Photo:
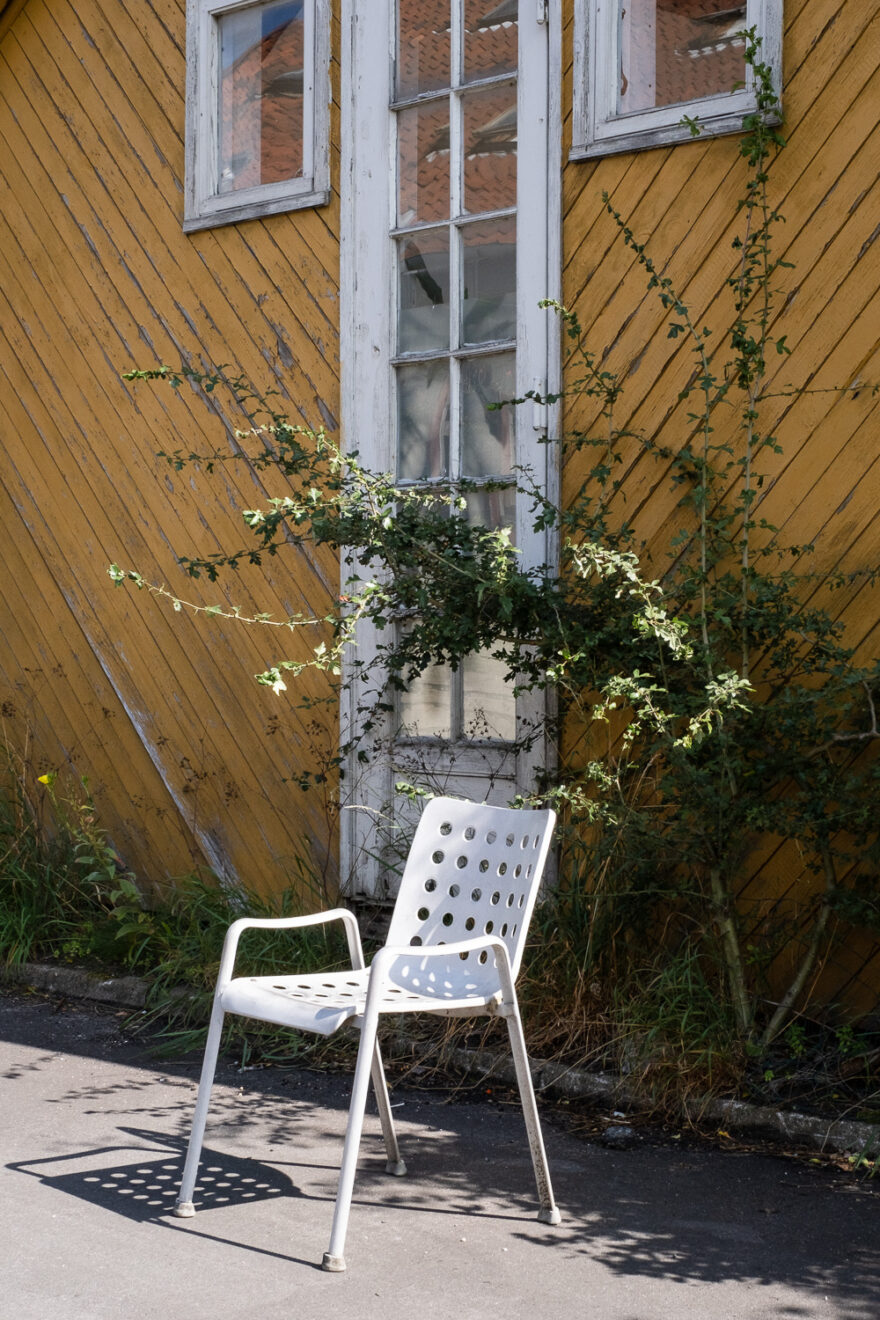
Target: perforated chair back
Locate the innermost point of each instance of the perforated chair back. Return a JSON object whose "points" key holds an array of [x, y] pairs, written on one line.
{"points": [[472, 870]]}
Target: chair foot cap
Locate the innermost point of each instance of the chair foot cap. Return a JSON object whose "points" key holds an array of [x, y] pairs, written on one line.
{"points": [[184, 1210], [333, 1264], [396, 1167], [551, 1216]]}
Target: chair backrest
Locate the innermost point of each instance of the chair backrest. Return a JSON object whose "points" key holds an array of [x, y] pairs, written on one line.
{"points": [[472, 870]]}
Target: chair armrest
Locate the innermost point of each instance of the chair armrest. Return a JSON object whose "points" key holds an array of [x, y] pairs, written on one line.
{"points": [[390, 952], [236, 930]]}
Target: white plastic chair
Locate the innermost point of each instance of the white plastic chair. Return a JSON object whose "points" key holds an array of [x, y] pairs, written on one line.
{"points": [[454, 948]]}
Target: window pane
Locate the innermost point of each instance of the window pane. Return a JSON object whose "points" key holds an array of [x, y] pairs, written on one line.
{"points": [[423, 282], [490, 149], [423, 169], [425, 706], [261, 95], [492, 508], [490, 38], [423, 49], [488, 706], [423, 420], [673, 52], [489, 278], [487, 437]]}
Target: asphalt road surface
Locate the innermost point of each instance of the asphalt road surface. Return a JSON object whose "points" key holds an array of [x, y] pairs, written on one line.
{"points": [[93, 1131]]}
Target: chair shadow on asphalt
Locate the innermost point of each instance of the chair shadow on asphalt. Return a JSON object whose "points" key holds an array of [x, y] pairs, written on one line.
{"points": [[141, 1181]]}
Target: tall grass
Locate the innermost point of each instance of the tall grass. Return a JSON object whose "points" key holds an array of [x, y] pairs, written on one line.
{"points": [[65, 896], [595, 991], [48, 908]]}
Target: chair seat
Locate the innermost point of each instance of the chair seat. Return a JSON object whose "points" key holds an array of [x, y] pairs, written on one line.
{"points": [[324, 1001], [307, 1003]]}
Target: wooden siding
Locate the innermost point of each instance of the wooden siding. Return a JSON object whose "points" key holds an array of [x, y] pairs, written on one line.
{"points": [[188, 759], [186, 756], [824, 485]]}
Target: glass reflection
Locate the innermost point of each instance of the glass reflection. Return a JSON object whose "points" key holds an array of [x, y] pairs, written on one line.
{"points": [[424, 708], [492, 508], [489, 281], [672, 53], [423, 49], [423, 420], [423, 163], [488, 705], [490, 38], [487, 437], [490, 149], [260, 96], [423, 297]]}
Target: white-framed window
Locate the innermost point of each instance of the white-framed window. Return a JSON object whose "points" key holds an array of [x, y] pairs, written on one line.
{"points": [[642, 66], [257, 108]]}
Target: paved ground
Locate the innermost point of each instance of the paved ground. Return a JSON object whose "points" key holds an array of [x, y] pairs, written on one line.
{"points": [[92, 1139]]}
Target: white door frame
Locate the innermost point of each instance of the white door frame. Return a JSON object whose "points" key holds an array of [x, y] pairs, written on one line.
{"points": [[368, 187]]}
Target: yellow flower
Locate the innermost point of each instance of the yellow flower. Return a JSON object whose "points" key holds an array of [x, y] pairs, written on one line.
{"points": [[48, 779]]}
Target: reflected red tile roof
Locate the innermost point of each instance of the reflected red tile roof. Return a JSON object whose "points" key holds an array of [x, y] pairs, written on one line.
{"points": [[261, 101], [697, 53]]}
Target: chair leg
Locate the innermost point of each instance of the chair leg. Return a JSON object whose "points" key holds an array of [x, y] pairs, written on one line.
{"points": [[184, 1209], [394, 1162], [334, 1260], [548, 1213]]}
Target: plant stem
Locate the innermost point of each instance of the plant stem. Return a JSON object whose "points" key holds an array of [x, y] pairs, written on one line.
{"points": [[731, 952], [786, 1004]]}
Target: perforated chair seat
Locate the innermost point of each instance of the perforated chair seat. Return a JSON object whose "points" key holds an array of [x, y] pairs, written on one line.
{"points": [[454, 948], [321, 1004], [324, 1002]]}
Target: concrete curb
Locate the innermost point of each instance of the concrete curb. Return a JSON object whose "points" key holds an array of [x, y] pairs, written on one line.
{"points": [[76, 983], [841, 1136]]}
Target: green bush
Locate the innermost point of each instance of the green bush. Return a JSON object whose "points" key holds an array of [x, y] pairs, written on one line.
{"points": [[718, 706]]}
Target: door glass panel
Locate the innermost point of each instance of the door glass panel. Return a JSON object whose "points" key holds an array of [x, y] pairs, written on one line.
{"points": [[487, 437], [490, 149], [489, 280], [424, 708], [423, 46], [492, 508], [488, 709], [490, 38], [423, 420], [423, 163], [260, 95], [423, 291]]}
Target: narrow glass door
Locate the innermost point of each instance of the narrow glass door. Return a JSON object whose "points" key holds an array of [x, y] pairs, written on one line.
{"points": [[454, 234], [445, 257]]}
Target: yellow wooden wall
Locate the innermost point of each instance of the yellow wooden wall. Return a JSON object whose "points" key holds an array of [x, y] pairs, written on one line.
{"points": [[825, 486], [187, 758], [185, 755]]}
